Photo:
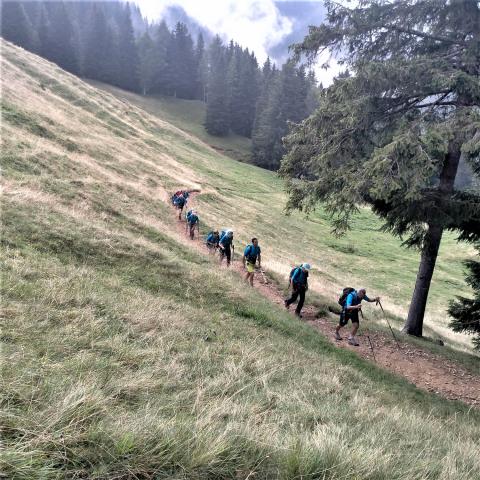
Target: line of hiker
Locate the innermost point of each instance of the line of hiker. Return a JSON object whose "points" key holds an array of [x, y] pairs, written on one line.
{"points": [[222, 241]]}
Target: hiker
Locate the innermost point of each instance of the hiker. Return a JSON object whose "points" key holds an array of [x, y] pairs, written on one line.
{"points": [[187, 219], [250, 255], [225, 246], [299, 282], [192, 222], [212, 240], [351, 301], [179, 203]]}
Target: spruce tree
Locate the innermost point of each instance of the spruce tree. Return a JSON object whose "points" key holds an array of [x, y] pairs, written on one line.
{"points": [[146, 51], [182, 63], [217, 117], [163, 45], [466, 311], [201, 68], [100, 63], [127, 57], [16, 27], [61, 38], [391, 134]]}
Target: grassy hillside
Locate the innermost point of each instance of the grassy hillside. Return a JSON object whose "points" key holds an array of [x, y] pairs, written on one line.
{"points": [[189, 115], [128, 355], [251, 200]]}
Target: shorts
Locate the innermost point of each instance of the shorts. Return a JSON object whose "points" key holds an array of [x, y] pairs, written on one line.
{"points": [[250, 267], [211, 245], [347, 315]]}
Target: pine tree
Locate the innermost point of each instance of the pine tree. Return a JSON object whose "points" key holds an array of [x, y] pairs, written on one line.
{"points": [[466, 311], [16, 27], [163, 45], [182, 63], [391, 134], [100, 63], [127, 58], [43, 30], [217, 118], [146, 50], [201, 69], [61, 38]]}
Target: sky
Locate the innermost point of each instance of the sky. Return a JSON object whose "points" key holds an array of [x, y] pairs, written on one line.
{"points": [[256, 24]]}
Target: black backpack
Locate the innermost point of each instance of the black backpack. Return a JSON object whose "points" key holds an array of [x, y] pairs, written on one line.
{"points": [[345, 293]]}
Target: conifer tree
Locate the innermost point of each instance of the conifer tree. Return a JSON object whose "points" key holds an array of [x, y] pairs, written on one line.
{"points": [[100, 63], [163, 45], [466, 311], [16, 27], [392, 133], [127, 58], [201, 69], [148, 68], [217, 118], [182, 63], [61, 38]]}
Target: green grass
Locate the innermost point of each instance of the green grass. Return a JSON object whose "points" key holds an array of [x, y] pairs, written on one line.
{"points": [[189, 116], [128, 355]]}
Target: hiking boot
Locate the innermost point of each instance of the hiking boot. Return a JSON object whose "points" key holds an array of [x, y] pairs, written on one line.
{"points": [[337, 336], [287, 306], [353, 341], [298, 314]]}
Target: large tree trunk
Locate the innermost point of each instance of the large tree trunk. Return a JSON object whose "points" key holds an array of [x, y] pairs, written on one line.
{"points": [[414, 323]]}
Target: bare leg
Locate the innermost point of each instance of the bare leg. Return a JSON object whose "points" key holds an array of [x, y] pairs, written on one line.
{"points": [[355, 328]]}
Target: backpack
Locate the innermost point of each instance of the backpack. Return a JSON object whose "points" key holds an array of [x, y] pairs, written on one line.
{"points": [[251, 258], [292, 271], [345, 293]]}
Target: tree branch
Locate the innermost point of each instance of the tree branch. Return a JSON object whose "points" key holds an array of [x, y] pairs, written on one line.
{"points": [[417, 33]]}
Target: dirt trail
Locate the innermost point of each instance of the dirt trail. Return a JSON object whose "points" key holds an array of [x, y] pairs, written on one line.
{"points": [[424, 369]]}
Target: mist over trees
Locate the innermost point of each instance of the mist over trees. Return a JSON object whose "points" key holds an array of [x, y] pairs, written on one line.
{"points": [[112, 43]]}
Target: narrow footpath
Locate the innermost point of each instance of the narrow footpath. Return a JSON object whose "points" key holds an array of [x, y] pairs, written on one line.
{"points": [[424, 369]]}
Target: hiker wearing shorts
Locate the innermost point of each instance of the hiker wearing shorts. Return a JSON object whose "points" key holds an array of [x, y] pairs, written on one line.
{"points": [[250, 255], [350, 311], [213, 238], [225, 246], [193, 222], [299, 282]]}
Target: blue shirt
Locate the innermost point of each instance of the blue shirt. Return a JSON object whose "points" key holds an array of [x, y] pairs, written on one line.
{"points": [[226, 240], [299, 276], [251, 253], [192, 219], [353, 299], [212, 238]]}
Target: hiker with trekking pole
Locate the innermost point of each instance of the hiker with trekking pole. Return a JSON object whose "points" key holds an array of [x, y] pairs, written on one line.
{"points": [[225, 246], [192, 223], [299, 284], [251, 253], [351, 303]]}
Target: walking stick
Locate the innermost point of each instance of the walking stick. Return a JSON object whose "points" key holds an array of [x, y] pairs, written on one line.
{"points": [[389, 326], [369, 340]]}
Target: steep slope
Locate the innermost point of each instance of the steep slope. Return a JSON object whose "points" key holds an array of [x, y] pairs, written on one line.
{"points": [[129, 355]]}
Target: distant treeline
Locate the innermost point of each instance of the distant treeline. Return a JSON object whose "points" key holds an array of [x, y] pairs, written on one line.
{"points": [[97, 40]]}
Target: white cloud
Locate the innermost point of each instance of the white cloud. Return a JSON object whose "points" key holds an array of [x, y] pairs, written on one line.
{"points": [[256, 24]]}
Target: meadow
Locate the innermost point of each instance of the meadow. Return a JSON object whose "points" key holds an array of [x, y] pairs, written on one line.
{"points": [[128, 355]]}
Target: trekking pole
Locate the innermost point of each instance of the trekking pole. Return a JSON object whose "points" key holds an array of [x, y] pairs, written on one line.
{"points": [[389, 326], [368, 338]]}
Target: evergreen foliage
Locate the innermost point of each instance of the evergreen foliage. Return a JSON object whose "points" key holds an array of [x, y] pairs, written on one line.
{"points": [[217, 121], [61, 38], [128, 62], [16, 27], [100, 63], [110, 42], [466, 311], [391, 131]]}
